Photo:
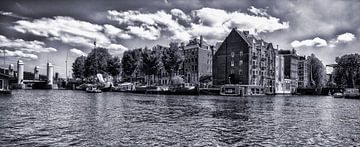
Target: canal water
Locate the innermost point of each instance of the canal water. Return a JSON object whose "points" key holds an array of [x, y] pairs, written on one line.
{"points": [[63, 118]]}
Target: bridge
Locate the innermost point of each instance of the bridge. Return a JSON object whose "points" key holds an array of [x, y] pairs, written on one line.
{"points": [[35, 82]]}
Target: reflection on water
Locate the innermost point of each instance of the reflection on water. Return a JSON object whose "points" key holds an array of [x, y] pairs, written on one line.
{"points": [[62, 118]]}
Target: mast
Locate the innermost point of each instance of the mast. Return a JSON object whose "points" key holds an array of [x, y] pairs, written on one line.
{"points": [[4, 59], [96, 68], [66, 68]]}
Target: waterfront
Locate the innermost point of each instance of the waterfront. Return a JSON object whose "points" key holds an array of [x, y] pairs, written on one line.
{"points": [[62, 118]]}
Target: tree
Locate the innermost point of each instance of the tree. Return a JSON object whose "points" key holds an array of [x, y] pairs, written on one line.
{"points": [[130, 61], [150, 63], [97, 62], [79, 67], [114, 66], [317, 72], [172, 59], [347, 71]]}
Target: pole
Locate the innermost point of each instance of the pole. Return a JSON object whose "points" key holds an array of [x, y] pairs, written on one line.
{"points": [[66, 62], [4, 59]]}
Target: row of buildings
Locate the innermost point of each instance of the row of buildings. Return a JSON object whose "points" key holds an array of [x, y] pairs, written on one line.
{"points": [[256, 65], [241, 59]]}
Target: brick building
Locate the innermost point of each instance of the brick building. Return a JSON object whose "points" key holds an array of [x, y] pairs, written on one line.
{"points": [[197, 61], [245, 60]]}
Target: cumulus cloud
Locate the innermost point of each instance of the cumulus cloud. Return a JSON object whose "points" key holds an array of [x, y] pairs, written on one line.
{"points": [[78, 52], [180, 14], [112, 31], [342, 39], [149, 25], [73, 32], [212, 23], [18, 53], [346, 37], [145, 31], [25, 46], [258, 11], [316, 42]]}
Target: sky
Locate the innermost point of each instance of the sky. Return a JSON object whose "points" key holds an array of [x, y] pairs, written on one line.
{"points": [[40, 31]]}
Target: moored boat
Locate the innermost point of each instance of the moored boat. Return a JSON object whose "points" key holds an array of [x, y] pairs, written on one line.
{"points": [[338, 95], [352, 93], [231, 90], [93, 89]]}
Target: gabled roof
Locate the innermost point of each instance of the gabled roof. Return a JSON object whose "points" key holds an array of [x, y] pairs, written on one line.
{"points": [[242, 35]]}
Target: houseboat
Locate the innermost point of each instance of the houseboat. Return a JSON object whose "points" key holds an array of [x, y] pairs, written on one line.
{"points": [[352, 93], [231, 90]]}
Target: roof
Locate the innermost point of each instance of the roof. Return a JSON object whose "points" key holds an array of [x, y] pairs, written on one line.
{"points": [[5, 76]]}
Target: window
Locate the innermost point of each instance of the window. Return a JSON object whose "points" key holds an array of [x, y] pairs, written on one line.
{"points": [[241, 53], [240, 62], [1, 84], [240, 72], [232, 71], [232, 54], [232, 63]]}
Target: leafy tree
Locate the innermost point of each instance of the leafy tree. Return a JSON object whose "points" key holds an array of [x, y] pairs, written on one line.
{"points": [[130, 61], [79, 67], [317, 72], [347, 71], [114, 66], [150, 63], [172, 59], [97, 62]]}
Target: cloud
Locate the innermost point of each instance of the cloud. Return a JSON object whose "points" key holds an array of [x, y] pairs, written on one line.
{"points": [[112, 31], [25, 46], [342, 39], [11, 14], [346, 37], [149, 25], [145, 31], [257, 11], [72, 32], [180, 14], [316, 42], [213, 24], [18, 53], [78, 52]]}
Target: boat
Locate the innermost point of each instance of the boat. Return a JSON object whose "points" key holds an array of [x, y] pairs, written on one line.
{"points": [[338, 95], [352, 93], [93, 89], [182, 89], [231, 90], [124, 87]]}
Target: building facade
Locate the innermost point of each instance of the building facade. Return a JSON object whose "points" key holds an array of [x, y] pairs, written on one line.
{"points": [[290, 68], [303, 72], [197, 60], [245, 60]]}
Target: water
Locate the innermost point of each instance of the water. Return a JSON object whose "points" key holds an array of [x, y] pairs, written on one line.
{"points": [[63, 118]]}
